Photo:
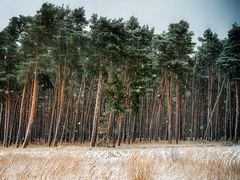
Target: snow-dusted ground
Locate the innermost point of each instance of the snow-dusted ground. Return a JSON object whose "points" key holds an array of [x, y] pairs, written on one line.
{"points": [[146, 161]]}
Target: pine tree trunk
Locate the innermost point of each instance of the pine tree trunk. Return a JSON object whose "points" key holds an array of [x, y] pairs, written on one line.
{"points": [[215, 105], [161, 105], [141, 121], [68, 108], [210, 79], [110, 116], [153, 112], [147, 119], [7, 118], [133, 128], [121, 119], [119, 138], [237, 111], [77, 110], [61, 107], [84, 122], [89, 105], [226, 109], [177, 109], [97, 104], [202, 109], [217, 112], [21, 110], [193, 108], [13, 115], [230, 111], [1, 113], [184, 117], [195, 125], [33, 109], [170, 109], [53, 112], [130, 117]]}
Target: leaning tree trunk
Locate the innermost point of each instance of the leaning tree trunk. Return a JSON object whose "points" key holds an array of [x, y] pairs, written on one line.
{"points": [[214, 107], [61, 108], [54, 106], [210, 79], [237, 110], [33, 109], [70, 99], [217, 112], [89, 106], [21, 110], [97, 104]]}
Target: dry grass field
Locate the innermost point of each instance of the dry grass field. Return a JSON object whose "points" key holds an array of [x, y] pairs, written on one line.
{"points": [[134, 162]]}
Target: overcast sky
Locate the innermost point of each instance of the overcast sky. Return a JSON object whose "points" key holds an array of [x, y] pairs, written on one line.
{"points": [[218, 15]]}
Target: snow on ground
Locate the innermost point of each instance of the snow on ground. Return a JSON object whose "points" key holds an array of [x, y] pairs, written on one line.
{"points": [[144, 161]]}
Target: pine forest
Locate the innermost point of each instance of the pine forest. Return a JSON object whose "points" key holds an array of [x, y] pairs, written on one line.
{"points": [[67, 79]]}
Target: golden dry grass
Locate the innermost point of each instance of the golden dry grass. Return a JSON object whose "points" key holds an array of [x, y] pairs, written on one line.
{"points": [[140, 168], [135, 163]]}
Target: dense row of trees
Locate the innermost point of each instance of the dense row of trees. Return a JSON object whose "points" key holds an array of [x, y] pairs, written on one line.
{"points": [[116, 82]]}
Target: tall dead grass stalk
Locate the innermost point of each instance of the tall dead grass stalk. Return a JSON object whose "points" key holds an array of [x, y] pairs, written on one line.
{"points": [[140, 167]]}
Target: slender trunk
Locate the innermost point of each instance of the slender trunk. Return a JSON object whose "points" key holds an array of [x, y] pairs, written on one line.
{"points": [[84, 122], [202, 110], [61, 107], [7, 118], [110, 116], [97, 104], [77, 110], [177, 109], [121, 119], [195, 125], [68, 108], [53, 109], [147, 116], [170, 109], [227, 108], [33, 109], [21, 110], [237, 110], [12, 121], [119, 138], [215, 105], [130, 117], [230, 111], [159, 112], [184, 116], [1, 112], [210, 97], [141, 121], [133, 129], [193, 108], [153, 109], [217, 112], [89, 104]]}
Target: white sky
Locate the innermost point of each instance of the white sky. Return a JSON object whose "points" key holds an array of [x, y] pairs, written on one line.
{"points": [[218, 15]]}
